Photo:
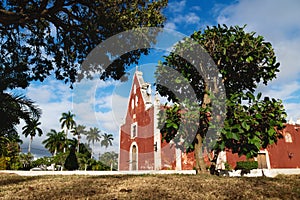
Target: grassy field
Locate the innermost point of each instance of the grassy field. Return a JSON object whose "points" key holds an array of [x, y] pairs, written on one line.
{"points": [[148, 187]]}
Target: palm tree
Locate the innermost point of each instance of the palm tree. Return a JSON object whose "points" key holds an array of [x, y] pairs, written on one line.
{"points": [[67, 121], [93, 136], [16, 107], [79, 130], [55, 141], [107, 140], [32, 128]]}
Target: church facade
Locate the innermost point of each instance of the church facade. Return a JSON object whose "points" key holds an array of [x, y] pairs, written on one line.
{"points": [[141, 146]]}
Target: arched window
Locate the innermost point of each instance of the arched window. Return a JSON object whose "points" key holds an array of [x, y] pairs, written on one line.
{"points": [[136, 100], [288, 138], [132, 103], [133, 162], [134, 158], [134, 89]]}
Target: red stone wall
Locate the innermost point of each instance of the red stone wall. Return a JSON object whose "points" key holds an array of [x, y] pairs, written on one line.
{"points": [[284, 154], [168, 156], [281, 155], [233, 158]]}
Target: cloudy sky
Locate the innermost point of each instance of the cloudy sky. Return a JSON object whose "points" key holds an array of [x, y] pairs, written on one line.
{"points": [[103, 104]]}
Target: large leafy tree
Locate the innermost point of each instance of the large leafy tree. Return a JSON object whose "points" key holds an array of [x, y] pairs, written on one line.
{"points": [[31, 129], [39, 38], [55, 141], [243, 60], [93, 135]]}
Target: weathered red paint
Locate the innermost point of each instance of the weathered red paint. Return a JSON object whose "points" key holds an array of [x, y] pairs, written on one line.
{"points": [[284, 154], [144, 117]]}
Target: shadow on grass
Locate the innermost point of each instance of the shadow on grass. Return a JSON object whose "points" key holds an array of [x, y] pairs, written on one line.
{"points": [[8, 179]]}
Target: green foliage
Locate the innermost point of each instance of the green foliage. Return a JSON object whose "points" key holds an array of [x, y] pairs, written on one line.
{"points": [[13, 108], [98, 166], [93, 136], [55, 141], [78, 131], [251, 126], [227, 166], [25, 160], [67, 120], [107, 140], [44, 161], [31, 129], [110, 159], [60, 158], [3, 164], [246, 165], [243, 60], [60, 34], [71, 162]]}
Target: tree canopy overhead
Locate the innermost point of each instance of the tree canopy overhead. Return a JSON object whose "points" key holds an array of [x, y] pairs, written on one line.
{"points": [[43, 37]]}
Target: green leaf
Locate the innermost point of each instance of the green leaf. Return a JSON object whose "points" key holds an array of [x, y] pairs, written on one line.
{"points": [[250, 95], [245, 126], [175, 126], [249, 59], [259, 95], [258, 116], [271, 132], [235, 136]]}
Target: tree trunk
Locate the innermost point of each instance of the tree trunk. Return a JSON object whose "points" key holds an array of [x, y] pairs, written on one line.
{"points": [[92, 150], [55, 151], [78, 144], [29, 146], [200, 164], [66, 140]]}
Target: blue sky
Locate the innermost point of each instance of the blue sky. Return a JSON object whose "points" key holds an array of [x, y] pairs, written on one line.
{"points": [[103, 104]]}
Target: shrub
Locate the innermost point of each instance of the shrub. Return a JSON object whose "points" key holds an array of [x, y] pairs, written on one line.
{"points": [[246, 166], [2, 163], [227, 166], [71, 161]]}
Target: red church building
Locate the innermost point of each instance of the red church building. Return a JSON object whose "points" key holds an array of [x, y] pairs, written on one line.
{"points": [[140, 139], [141, 147]]}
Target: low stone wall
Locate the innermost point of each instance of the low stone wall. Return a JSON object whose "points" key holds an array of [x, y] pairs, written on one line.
{"points": [[96, 173], [265, 172], [234, 173]]}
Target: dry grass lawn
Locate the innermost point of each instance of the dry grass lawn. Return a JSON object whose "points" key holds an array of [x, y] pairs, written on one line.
{"points": [[148, 187]]}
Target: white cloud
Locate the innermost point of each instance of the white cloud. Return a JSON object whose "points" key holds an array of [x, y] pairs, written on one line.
{"points": [[189, 18], [278, 22], [281, 91], [177, 6], [170, 25], [293, 110]]}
